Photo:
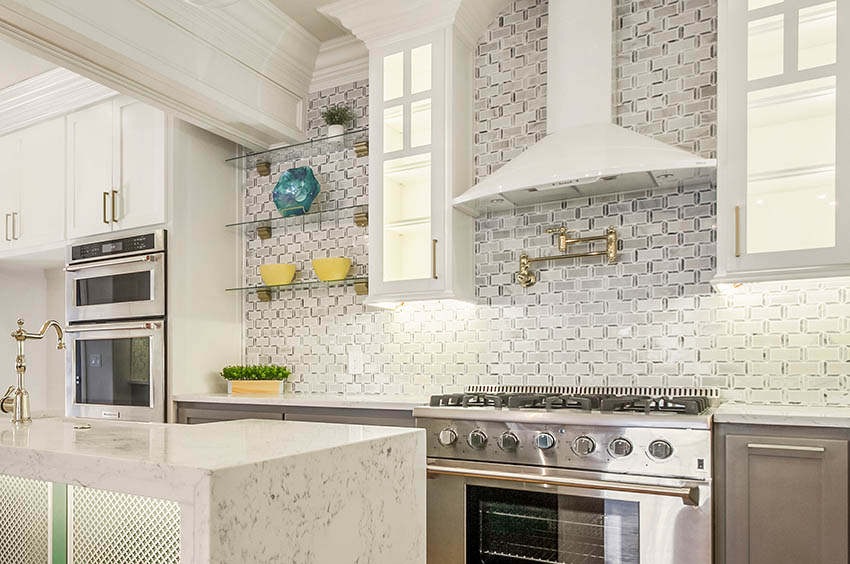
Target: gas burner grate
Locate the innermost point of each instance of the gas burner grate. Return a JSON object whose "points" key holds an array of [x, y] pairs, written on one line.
{"points": [[646, 404]]}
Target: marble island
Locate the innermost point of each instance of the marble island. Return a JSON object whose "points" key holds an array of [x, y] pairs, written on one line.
{"points": [[240, 491]]}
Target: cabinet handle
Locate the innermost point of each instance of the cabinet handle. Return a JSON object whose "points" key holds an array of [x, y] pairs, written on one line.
{"points": [[114, 197], [8, 215], [105, 196], [796, 448], [434, 259], [15, 227], [737, 231]]}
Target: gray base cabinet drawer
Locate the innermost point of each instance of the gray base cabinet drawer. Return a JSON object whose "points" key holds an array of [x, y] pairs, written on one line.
{"points": [[195, 413], [786, 500]]}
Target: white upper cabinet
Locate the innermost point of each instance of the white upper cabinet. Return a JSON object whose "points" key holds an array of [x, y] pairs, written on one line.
{"points": [[32, 180], [116, 168], [784, 152], [416, 238]]}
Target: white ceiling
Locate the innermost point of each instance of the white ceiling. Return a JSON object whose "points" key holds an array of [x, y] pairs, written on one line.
{"points": [[17, 65], [304, 12]]}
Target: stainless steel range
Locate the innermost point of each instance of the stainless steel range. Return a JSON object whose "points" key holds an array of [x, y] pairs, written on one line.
{"points": [[569, 475]]}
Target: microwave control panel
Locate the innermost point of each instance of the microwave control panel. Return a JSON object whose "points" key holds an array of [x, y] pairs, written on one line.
{"points": [[125, 246]]}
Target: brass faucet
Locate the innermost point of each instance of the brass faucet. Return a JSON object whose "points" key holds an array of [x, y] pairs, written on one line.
{"points": [[17, 399]]}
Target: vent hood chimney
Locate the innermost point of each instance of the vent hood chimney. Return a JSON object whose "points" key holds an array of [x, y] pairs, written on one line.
{"points": [[584, 153]]}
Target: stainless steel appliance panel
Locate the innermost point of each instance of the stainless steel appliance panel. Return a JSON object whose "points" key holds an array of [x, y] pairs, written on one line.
{"points": [[116, 371]]}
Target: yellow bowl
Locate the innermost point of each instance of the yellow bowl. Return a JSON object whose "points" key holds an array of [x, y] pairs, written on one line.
{"points": [[277, 274], [328, 269]]}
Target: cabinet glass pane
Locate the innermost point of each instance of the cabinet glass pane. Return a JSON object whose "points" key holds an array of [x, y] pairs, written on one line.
{"points": [[393, 129], [407, 218], [791, 167], [420, 123], [393, 76], [764, 48], [756, 4], [817, 44], [791, 127], [420, 69]]}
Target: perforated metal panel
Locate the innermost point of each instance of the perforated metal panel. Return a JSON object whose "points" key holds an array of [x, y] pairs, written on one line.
{"points": [[24, 519], [114, 528]]}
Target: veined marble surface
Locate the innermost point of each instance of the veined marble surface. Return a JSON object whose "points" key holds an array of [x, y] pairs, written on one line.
{"points": [[796, 415], [400, 403], [250, 491]]}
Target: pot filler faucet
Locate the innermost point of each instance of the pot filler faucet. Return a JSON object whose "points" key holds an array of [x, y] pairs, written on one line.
{"points": [[17, 399]]}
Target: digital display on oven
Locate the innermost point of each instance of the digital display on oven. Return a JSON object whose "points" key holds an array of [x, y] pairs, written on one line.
{"points": [[116, 246]]}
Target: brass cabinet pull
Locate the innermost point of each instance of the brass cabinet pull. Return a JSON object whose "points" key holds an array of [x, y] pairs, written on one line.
{"points": [[8, 215], [114, 197], [434, 259], [737, 231], [105, 196], [15, 226]]}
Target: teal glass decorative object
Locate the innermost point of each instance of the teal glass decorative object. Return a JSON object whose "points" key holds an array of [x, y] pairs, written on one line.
{"points": [[295, 191]]}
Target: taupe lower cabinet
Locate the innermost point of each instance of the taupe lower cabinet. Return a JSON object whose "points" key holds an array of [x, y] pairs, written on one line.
{"points": [[784, 499], [197, 412]]}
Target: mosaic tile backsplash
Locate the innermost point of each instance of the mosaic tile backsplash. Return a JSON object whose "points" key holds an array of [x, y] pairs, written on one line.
{"points": [[651, 319]]}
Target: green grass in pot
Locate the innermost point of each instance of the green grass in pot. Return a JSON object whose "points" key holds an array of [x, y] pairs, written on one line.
{"points": [[264, 373], [338, 115]]}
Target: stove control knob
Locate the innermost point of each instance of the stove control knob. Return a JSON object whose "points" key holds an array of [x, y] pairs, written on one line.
{"points": [[477, 439], [544, 441], [584, 446], [448, 437], [620, 447], [660, 450], [508, 441]]}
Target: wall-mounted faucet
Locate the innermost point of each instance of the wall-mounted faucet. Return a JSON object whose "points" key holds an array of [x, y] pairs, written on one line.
{"points": [[17, 399]]}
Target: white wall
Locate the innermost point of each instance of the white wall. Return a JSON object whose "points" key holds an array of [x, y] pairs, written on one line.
{"points": [[24, 294]]}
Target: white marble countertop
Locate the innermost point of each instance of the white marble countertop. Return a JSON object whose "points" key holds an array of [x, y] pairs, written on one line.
{"points": [[796, 415], [365, 401], [314, 481]]}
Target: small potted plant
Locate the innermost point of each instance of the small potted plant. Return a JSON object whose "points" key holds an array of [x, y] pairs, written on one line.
{"points": [[337, 117], [242, 380]]}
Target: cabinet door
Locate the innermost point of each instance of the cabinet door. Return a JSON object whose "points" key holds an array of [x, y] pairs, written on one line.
{"points": [[786, 500], [90, 173], [783, 200], [139, 197], [407, 170], [42, 197], [10, 183]]}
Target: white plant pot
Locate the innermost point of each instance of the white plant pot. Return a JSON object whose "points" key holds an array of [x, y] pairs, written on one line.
{"points": [[334, 130]]}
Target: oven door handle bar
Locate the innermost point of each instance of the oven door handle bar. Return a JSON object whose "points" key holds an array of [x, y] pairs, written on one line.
{"points": [[114, 327], [101, 264], [689, 496]]}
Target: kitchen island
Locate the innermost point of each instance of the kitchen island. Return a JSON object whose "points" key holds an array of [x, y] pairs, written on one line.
{"points": [[237, 491]]}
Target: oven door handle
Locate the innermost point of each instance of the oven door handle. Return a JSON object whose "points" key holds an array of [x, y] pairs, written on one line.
{"points": [[115, 327], [100, 264], [688, 495]]}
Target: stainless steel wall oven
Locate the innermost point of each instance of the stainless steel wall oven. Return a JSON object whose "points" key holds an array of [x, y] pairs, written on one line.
{"points": [[116, 310]]}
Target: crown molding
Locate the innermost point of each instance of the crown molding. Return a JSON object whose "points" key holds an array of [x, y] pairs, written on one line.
{"points": [[52, 94], [341, 61], [367, 19]]}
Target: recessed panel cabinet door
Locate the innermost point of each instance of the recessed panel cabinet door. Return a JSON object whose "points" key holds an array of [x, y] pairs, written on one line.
{"points": [[10, 181], [786, 500], [90, 174], [139, 197], [42, 197]]}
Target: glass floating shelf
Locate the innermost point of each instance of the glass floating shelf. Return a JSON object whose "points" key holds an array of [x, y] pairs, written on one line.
{"points": [[357, 139], [265, 227], [264, 293]]}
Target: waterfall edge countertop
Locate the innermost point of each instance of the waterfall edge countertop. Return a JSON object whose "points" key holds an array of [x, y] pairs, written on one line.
{"points": [[310, 479], [792, 415], [360, 401]]}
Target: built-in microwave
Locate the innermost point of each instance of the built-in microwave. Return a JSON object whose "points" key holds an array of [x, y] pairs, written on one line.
{"points": [[116, 335]]}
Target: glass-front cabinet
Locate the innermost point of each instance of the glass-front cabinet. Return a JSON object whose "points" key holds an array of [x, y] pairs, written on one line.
{"points": [[415, 125], [783, 189]]}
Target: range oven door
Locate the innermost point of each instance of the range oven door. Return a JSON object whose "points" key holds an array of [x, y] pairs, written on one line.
{"points": [[122, 288], [116, 371], [505, 514]]}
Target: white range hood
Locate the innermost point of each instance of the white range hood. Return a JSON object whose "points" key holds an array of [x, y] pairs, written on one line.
{"points": [[584, 153]]}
